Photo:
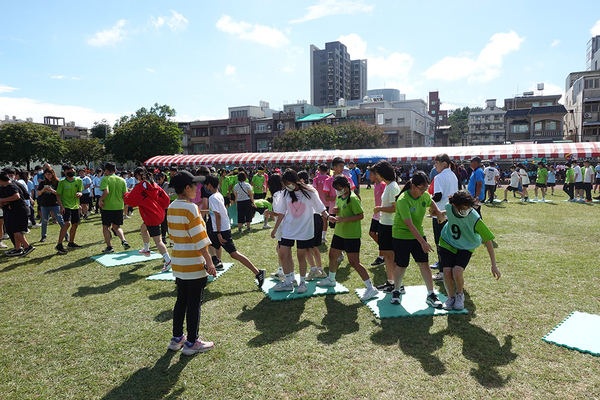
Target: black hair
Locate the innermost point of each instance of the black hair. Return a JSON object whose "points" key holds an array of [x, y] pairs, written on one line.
{"points": [[275, 183], [291, 176], [142, 172], [160, 175], [24, 174], [385, 170], [304, 176], [513, 166], [323, 167], [110, 166], [241, 176], [203, 171], [99, 171], [462, 198], [66, 167], [340, 182], [417, 179], [212, 179], [337, 161]]}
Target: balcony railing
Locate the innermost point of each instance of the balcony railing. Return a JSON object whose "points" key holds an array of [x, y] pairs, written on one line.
{"points": [[547, 134]]}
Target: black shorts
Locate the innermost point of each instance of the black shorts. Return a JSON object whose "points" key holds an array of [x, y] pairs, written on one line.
{"points": [[579, 185], [302, 244], [385, 238], [348, 245], [490, 187], [245, 212], [85, 199], [540, 185], [597, 181], [15, 222], [318, 239], [229, 246], [112, 217], [153, 230], [450, 260], [403, 248], [258, 196], [374, 225], [525, 186], [332, 224], [512, 189], [551, 184], [71, 216]]}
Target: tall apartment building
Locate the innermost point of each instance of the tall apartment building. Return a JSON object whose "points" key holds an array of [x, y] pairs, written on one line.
{"points": [[334, 76], [487, 126], [592, 62], [441, 116], [582, 101]]}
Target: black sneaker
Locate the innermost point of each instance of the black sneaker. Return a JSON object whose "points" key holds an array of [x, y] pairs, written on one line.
{"points": [[107, 250], [73, 245], [433, 301], [378, 261], [395, 297], [13, 252], [43, 239], [219, 265], [386, 287], [27, 250], [126, 245], [61, 249], [260, 277]]}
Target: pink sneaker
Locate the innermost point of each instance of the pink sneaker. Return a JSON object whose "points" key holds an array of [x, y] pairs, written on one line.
{"points": [[144, 252], [198, 347], [166, 267], [177, 343]]}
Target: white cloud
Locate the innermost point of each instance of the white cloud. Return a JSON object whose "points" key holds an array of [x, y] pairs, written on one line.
{"points": [[150, 70], [556, 42], [109, 37], [355, 45], [24, 108], [288, 69], [175, 22], [229, 70], [6, 89], [76, 78], [326, 8], [482, 69], [395, 65], [255, 33], [58, 77], [595, 31]]}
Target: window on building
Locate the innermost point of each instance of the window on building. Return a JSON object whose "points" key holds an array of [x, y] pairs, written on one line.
{"points": [[550, 125], [199, 148], [400, 121], [535, 104], [241, 113], [591, 83], [496, 118], [591, 108], [433, 102], [262, 145], [262, 128], [388, 121], [519, 128], [441, 118], [537, 126], [547, 104], [432, 112]]}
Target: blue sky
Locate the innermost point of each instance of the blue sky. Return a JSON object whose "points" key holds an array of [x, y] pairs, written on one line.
{"points": [[90, 60]]}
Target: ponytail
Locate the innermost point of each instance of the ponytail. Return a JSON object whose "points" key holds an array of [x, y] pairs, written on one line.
{"points": [[417, 179]]}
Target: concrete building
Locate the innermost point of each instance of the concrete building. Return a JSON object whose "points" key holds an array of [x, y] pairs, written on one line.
{"points": [[301, 108], [593, 54], [534, 118], [435, 104], [334, 76], [487, 126], [263, 131], [582, 101]]}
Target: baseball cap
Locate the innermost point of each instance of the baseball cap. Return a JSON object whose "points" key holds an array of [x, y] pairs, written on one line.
{"points": [[476, 159], [184, 178]]}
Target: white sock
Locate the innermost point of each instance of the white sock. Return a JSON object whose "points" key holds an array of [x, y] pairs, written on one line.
{"points": [[430, 292], [320, 269], [146, 246], [313, 268], [302, 279], [166, 257], [280, 270], [391, 281], [324, 234], [369, 284], [289, 278], [332, 276]]}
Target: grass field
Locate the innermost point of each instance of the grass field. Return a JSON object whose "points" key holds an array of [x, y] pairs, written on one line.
{"points": [[72, 328]]}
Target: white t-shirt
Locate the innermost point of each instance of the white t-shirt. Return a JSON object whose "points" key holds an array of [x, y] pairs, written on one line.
{"points": [[387, 199], [445, 183], [277, 197], [524, 176], [589, 174], [514, 179], [298, 222], [490, 174], [242, 191], [216, 204], [577, 173]]}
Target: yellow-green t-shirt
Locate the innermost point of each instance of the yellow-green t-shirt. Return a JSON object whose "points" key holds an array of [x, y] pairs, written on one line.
{"points": [[407, 207], [67, 189], [116, 188], [348, 230]]}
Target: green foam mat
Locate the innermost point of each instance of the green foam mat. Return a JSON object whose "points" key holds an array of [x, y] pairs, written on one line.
{"points": [[540, 201], [578, 332], [168, 276], [313, 290], [232, 211], [124, 258], [412, 304]]}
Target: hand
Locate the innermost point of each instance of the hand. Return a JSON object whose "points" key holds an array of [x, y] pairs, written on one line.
{"points": [[426, 247], [332, 219], [273, 234], [496, 272], [78, 195], [210, 269], [441, 219], [335, 210], [101, 203], [376, 210], [223, 241], [62, 210]]}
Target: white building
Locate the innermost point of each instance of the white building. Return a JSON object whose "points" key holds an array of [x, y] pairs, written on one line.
{"points": [[487, 126]]}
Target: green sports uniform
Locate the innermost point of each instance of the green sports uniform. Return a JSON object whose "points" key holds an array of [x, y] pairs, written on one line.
{"points": [[542, 175], [262, 203], [348, 230], [67, 190], [569, 175], [116, 188], [407, 207], [225, 186], [259, 181], [464, 233]]}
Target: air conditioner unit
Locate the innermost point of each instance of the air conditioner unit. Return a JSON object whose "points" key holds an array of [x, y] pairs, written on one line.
{"points": [[587, 115]]}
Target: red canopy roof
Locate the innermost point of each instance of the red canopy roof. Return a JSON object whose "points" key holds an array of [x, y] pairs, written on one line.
{"points": [[496, 152]]}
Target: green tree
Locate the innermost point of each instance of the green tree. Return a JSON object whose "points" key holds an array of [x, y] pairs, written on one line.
{"points": [[101, 130], [25, 142], [459, 123], [145, 134], [79, 151], [325, 136]]}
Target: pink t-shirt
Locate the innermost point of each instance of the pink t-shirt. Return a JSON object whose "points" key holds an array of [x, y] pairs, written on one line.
{"points": [[198, 198], [319, 184], [377, 192], [330, 191]]}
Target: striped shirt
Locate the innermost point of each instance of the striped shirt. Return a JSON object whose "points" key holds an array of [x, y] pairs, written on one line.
{"points": [[187, 231]]}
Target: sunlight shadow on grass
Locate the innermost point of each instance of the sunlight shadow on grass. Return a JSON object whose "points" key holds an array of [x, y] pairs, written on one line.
{"points": [[340, 319], [125, 278]]}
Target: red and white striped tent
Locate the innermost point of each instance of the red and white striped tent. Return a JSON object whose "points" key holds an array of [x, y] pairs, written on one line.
{"points": [[496, 152]]}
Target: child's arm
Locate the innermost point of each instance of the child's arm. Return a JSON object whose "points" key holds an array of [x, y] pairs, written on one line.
{"points": [[490, 249], [413, 229], [279, 219], [218, 224], [208, 265], [434, 210]]}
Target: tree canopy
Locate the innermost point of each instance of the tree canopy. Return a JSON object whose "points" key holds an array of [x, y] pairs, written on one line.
{"points": [[459, 123], [325, 136], [145, 134], [25, 142], [79, 151], [101, 130]]}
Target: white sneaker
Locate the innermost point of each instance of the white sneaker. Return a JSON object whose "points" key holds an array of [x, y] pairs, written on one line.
{"points": [[126, 217], [459, 301], [449, 304], [277, 275], [316, 274], [283, 287], [301, 288], [327, 283], [3, 246], [370, 293], [267, 226], [5, 236], [535, 199]]}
